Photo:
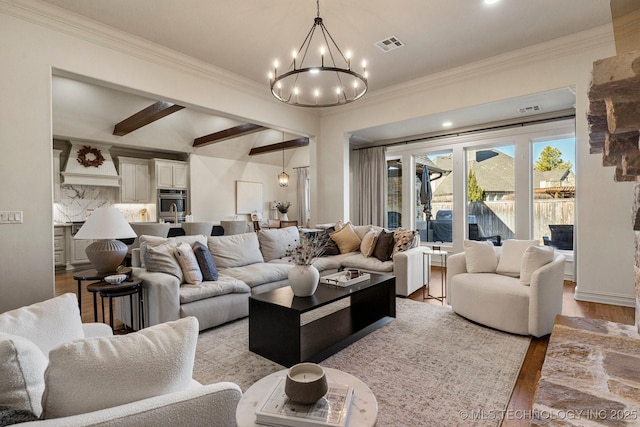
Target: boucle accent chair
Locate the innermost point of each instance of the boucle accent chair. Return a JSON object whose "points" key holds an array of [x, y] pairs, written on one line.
{"points": [[515, 288], [59, 372]]}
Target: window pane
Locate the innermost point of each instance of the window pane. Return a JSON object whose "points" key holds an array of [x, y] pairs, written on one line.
{"points": [[394, 193], [490, 193], [554, 183], [434, 210]]}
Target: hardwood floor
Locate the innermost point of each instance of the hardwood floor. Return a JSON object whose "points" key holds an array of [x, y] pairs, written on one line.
{"points": [[523, 392]]}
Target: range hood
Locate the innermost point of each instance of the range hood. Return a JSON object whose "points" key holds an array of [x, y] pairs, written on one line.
{"points": [[90, 164]]}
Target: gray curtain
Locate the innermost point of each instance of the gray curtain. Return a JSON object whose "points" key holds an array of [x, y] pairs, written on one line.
{"points": [[301, 196], [370, 186]]}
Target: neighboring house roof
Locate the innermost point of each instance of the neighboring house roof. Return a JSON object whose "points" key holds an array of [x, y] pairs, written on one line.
{"points": [[554, 178]]}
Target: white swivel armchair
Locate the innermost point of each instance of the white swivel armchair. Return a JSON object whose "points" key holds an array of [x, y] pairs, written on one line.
{"points": [[504, 302]]}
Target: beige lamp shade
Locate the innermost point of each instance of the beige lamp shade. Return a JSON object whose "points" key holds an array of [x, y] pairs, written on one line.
{"points": [[106, 225]]}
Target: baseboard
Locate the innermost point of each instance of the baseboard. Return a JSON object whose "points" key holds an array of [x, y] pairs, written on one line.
{"points": [[606, 298]]}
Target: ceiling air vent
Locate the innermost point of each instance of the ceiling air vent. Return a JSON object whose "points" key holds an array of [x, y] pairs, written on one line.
{"points": [[388, 44], [530, 109]]}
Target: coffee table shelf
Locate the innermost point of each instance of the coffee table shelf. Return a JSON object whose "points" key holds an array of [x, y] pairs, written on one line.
{"points": [[276, 330]]}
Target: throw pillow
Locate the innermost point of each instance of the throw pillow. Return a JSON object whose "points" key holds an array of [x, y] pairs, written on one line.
{"points": [[511, 256], [22, 372], [368, 243], [188, 264], [275, 244], [9, 416], [362, 230], [161, 259], [534, 258], [384, 246], [480, 256], [404, 239], [97, 373], [235, 250], [47, 323], [205, 262], [346, 239], [146, 241], [331, 248]]}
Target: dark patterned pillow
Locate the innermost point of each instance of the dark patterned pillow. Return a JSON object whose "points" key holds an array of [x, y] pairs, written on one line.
{"points": [[10, 416], [332, 246], [205, 262], [384, 246]]}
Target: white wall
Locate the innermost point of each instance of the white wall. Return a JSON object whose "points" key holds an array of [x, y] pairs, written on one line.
{"points": [[36, 44], [605, 244]]}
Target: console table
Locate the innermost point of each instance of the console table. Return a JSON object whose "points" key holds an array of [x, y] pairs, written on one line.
{"points": [[280, 328]]}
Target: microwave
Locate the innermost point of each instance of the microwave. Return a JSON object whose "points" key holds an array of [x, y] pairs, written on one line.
{"points": [[172, 204]]}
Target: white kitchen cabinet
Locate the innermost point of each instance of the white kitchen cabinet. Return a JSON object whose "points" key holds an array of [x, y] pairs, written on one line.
{"points": [[78, 251], [135, 180], [171, 174], [59, 246]]}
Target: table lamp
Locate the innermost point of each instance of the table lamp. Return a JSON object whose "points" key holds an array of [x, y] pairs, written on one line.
{"points": [[105, 225]]}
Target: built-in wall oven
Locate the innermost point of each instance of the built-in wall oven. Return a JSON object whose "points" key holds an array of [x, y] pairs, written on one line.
{"points": [[172, 204]]}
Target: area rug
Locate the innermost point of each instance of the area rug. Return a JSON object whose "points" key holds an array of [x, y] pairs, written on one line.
{"points": [[428, 367]]}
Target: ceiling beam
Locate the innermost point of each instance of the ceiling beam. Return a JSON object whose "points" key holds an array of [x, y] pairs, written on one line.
{"points": [[142, 118], [223, 135], [293, 143]]}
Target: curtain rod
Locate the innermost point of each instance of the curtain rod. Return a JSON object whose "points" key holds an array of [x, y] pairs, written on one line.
{"points": [[301, 167], [471, 131]]}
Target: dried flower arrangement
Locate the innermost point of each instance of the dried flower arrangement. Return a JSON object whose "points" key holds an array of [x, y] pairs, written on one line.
{"points": [[311, 247], [283, 207]]}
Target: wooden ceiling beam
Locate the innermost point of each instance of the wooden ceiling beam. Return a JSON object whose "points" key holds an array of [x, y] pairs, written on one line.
{"points": [[286, 145], [142, 118], [223, 135]]}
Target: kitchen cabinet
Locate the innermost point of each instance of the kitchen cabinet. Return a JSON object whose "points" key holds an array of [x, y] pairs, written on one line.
{"points": [[59, 247], [135, 180], [78, 253], [171, 174]]}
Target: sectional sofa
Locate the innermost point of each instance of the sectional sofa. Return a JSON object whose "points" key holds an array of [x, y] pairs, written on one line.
{"points": [[246, 264]]}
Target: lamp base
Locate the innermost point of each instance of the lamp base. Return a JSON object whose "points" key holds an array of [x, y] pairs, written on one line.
{"points": [[106, 255]]}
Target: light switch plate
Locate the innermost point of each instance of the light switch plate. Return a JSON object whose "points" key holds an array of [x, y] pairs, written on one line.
{"points": [[11, 217]]}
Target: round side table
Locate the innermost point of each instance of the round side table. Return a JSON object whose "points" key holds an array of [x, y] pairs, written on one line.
{"points": [[364, 410], [128, 288], [93, 274]]}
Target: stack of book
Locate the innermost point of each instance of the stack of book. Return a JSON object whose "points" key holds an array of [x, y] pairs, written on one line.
{"points": [[332, 410]]}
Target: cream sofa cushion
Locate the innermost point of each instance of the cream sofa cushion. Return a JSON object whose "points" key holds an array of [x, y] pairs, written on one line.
{"points": [[223, 286], [21, 374], [277, 242], [480, 256], [188, 264], [146, 241], [260, 273], [97, 373], [235, 250], [534, 257], [47, 323], [511, 256], [361, 262]]}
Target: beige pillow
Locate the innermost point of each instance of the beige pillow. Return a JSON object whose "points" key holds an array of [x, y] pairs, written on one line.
{"points": [[97, 373], [188, 264], [235, 250], [146, 241], [511, 256], [161, 259], [346, 239], [275, 244], [534, 258], [368, 243], [480, 256], [21, 374]]}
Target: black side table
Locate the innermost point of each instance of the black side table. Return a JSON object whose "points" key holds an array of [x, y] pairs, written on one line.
{"points": [[127, 288], [93, 274]]}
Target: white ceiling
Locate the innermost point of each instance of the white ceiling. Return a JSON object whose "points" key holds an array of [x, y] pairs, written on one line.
{"points": [[244, 37]]}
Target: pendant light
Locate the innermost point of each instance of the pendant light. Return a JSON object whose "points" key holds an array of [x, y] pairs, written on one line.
{"points": [[283, 178]]}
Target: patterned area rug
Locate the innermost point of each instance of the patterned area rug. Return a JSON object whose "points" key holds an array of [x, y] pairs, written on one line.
{"points": [[429, 367]]}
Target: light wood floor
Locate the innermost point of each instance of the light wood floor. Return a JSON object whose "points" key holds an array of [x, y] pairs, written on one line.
{"points": [[522, 397]]}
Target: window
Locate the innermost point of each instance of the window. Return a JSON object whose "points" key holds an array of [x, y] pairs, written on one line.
{"points": [[434, 197], [394, 193], [490, 193], [554, 191]]}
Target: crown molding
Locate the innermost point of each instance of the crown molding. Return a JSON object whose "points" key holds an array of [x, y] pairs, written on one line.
{"points": [[58, 19], [587, 40]]}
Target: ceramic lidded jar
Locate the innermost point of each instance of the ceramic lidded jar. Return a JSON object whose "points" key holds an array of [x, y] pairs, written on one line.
{"points": [[306, 383]]}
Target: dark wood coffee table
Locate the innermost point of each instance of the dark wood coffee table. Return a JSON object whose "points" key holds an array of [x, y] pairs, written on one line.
{"points": [[276, 332]]}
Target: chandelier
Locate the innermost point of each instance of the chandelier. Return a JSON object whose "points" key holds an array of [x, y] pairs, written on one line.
{"points": [[328, 82]]}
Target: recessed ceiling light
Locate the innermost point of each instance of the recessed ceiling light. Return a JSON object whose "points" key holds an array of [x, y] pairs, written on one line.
{"points": [[447, 124], [490, 2]]}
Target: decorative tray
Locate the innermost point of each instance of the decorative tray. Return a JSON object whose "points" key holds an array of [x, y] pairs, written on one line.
{"points": [[343, 279]]}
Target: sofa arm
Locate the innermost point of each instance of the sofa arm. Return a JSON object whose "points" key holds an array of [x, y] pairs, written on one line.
{"points": [[545, 298], [408, 267], [210, 405], [456, 264], [161, 293], [96, 330]]}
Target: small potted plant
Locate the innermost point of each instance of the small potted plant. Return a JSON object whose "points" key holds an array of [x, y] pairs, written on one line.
{"points": [[283, 208]]}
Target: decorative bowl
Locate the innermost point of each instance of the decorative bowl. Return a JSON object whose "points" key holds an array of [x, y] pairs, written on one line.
{"points": [[306, 383], [115, 279]]}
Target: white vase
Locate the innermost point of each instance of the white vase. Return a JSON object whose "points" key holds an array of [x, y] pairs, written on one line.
{"points": [[284, 217], [303, 280]]}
